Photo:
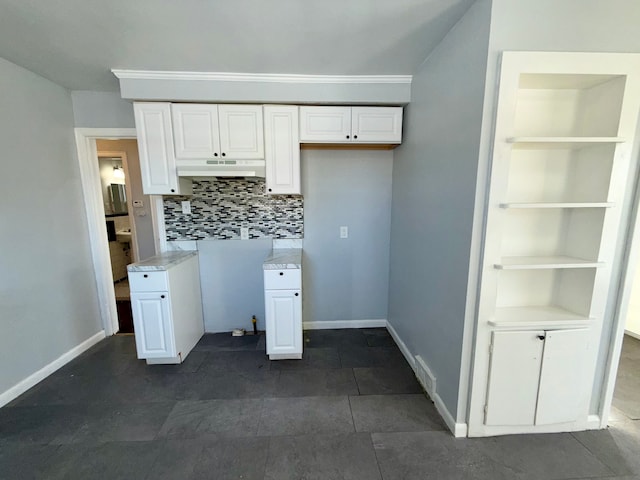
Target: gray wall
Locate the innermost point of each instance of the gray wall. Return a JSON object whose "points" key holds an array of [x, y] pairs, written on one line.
{"points": [[346, 279], [570, 25], [434, 182], [101, 110], [232, 283], [47, 288]]}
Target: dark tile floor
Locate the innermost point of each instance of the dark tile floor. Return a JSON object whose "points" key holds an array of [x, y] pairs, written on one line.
{"points": [[351, 409]]}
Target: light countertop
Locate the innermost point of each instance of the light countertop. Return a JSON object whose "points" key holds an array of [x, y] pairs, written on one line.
{"points": [[282, 258], [161, 262]]}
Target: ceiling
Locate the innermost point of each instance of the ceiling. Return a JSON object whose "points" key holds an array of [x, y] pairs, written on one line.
{"points": [[76, 43]]}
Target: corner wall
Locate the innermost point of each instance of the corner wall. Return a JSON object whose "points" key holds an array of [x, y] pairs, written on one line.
{"points": [[48, 295], [434, 180]]}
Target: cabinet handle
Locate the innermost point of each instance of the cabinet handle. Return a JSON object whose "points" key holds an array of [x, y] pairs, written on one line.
{"points": [[161, 296], [296, 294], [215, 154], [347, 136], [541, 337], [355, 136], [281, 273], [224, 154], [146, 276]]}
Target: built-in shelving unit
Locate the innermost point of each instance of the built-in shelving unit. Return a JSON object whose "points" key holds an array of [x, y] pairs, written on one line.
{"points": [[560, 162]]}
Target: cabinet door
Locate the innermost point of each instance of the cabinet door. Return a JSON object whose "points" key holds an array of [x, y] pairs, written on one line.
{"points": [[195, 130], [155, 146], [241, 131], [152, 323], [325, 124], [513, 378], [283, 310], [376, 124], [282, 149], [563, 383]]}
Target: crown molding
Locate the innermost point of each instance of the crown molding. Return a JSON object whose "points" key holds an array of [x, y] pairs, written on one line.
{"points": [[260, 77]]}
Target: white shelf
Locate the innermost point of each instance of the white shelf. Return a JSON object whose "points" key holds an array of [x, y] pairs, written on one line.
{"points": [[548, 262], [558, 205], [542, 317], [561, 142]]}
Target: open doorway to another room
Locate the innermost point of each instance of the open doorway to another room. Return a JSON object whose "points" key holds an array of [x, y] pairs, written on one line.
{"points": [[128, 221]]}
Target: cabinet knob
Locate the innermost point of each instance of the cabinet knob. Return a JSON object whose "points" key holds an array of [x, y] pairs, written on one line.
{"points": [[145, 275], [215, 154], [161, 296], [269, 189], [172, 190], [224, 154], [296, 294], [347, 136], [355, 136], [540, 337], [281, 273]]}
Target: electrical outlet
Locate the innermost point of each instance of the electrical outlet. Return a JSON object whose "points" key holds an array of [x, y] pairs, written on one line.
{"points": [[344, 232], [186, 206], [138, 203], [244, 233]]}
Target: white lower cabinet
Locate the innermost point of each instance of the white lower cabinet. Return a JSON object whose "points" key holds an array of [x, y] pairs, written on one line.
{"points": [[536, 377], [167, 307], [283, 313], [154, 332]]}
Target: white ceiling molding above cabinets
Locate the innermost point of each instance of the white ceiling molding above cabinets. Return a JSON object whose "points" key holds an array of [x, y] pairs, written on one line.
{"points": [[223, 87]]}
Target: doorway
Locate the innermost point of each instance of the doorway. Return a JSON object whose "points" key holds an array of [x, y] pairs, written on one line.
{"points": [[142, 209]]}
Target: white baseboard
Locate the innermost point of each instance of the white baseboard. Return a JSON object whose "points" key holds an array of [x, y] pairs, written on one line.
{"points": [[324, 325], [632, 334], [427, 379], [24, 385], [594, 423]]}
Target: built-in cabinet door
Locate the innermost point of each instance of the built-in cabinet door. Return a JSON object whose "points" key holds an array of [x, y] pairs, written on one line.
{"points": [[283, 321], [241, 131], [563, 379], [155, 146], [514, 374], [195, 130], [376, 124], [152, 323], [282, 149], [325, 124]]}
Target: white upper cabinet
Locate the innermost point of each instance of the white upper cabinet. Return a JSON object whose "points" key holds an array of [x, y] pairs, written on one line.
{"points": [[282, 149], [241, 131], [203, 131], [325, 124], [364, 125], [195, 130], [155, 146], [376, 124]]}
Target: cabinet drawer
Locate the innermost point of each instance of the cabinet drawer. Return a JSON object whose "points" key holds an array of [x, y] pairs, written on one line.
{"points": [[288, 278], [148, 281]]}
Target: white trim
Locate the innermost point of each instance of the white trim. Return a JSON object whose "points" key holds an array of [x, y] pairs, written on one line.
{"points": [[259, 77], [593, 422], [402, 346], [427, 379], [324, 325], [157, 221], [94, 208], [632, 334], [24, 385]]}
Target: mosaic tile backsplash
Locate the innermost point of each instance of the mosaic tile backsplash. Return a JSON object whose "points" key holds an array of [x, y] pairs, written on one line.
{"points": [[220, 207]]}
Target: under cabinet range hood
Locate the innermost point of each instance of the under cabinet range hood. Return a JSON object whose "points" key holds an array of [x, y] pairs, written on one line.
{"points": [[221, 168]]}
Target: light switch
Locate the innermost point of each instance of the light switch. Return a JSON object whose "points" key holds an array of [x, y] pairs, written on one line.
{"points": [[344, 232], [186, 206], [244, 233]]}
